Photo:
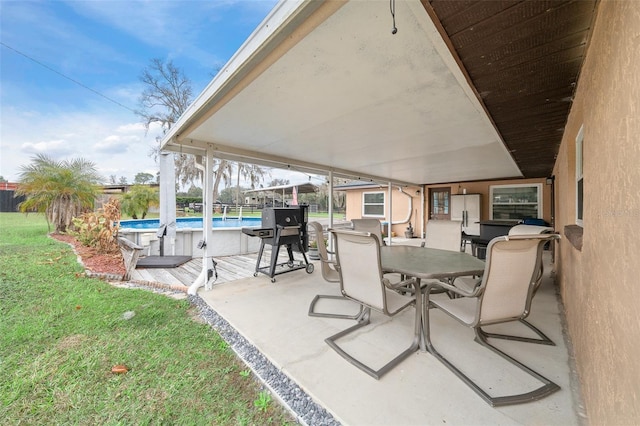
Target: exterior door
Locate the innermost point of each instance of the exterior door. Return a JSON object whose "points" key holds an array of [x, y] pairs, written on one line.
{"points": [[440, 203]]}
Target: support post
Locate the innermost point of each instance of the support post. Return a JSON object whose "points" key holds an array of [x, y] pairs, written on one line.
{"points": [[168, 201], [389, 213]]}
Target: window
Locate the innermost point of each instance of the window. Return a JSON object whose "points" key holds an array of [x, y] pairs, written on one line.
{"points": [[579, 180], [440, 203], [373, 204], [515, 202]]}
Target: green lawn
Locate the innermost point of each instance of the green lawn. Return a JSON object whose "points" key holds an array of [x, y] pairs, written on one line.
{"points": [[60, 334]]}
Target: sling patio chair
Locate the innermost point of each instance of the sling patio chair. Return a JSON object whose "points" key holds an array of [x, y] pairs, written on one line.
{"points": [[369, 225], [533, 230], [330, 274], [361, 280], [444, 234], [504, 295], [469, 284]]}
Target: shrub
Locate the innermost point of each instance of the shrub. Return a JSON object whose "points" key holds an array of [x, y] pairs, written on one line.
{"points": [[99, 229]]}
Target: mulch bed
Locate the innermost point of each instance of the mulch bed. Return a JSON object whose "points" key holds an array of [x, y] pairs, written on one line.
{"points": [[98, 263]]}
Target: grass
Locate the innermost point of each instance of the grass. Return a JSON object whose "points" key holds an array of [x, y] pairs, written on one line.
{"points": [[61, 333]]}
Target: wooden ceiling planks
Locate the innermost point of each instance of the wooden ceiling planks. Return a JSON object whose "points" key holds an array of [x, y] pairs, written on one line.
{"points": [[523, 58]]}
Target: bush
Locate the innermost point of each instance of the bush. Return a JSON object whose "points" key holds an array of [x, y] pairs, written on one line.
{"points": [[99, 229]]}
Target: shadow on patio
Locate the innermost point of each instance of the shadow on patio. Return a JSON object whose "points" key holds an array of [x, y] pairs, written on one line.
{"points": [[272, 317]]}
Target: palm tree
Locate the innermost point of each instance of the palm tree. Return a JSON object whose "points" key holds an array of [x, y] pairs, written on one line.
{"points": [[60, 189], [139, 199]]}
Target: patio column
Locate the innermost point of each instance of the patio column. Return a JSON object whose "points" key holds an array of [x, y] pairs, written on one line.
{"points": [[422, 218], [168, 199], [330, 200], [207, 216], [389, 212], [330, 209], [207, 224]]}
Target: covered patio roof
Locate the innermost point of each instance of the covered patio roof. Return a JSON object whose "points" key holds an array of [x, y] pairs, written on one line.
{"points": [[464, 91]]}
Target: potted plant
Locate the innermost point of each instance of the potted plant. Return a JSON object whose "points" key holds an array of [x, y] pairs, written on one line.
{"points": [[313, 250], [409, 232]]}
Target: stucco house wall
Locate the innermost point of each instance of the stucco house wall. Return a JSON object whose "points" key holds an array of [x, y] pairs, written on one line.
{"points": [[483, 188], [400, 203], [600, 283]]}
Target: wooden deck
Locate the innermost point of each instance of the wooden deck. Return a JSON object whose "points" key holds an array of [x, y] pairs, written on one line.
{"points": [[230, 268]]}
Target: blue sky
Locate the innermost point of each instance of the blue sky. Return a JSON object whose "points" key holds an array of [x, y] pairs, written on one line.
{"points": [[104, 45]]}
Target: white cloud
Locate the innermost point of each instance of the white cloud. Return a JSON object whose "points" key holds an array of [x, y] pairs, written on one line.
{"points": [[114, 142], [42, 112], [154, 128], [54, 148], [177, 26], [130, 127]]}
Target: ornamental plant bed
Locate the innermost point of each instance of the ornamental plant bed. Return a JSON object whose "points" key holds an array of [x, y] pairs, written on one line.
{"points": [[95, 262]]}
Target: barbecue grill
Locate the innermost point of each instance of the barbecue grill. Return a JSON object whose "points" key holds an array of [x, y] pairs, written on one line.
{"points": [[282, 226]]}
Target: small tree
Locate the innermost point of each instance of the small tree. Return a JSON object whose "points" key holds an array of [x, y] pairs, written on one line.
{"points": [[138, 200], [60, 189], [142, 178], [194, 191]]}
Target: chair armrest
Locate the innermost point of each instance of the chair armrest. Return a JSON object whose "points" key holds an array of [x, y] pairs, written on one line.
{"points": [[399, 284], [330, 262], [466, 283], [452, 289]]}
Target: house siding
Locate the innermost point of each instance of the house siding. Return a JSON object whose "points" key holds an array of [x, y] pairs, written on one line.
{"points": [[483, 188], [400, 207], [599, 284]]}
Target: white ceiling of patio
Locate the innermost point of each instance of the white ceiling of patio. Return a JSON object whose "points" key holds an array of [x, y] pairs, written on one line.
{"points": [[330, 88]]}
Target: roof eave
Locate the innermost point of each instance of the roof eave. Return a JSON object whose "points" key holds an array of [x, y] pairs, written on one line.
{"points": [[285, 17]]}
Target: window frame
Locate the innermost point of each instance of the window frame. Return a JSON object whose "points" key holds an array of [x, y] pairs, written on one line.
{"points": [[365, 204], [580, 177], [538, 186]]}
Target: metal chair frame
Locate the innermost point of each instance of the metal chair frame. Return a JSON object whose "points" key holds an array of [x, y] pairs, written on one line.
{"points": [[364, 319], [330, 274], [478, 293]]}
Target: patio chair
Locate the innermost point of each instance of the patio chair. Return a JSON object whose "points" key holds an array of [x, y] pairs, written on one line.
{"points": [[361, 280], [533, 230], [329, 273], [369, 225], [470, 283], [444, 234], [530, 230], [504, 295]]}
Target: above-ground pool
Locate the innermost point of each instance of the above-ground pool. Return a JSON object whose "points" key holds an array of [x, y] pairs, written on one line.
{"points": [[227, 239], [192, 222]]}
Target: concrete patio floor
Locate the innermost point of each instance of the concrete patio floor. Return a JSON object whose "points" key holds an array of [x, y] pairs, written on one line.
{"points": [[273, 317]]}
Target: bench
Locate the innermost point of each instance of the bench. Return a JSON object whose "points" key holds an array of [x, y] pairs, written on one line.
{"points": [[130, 254]]}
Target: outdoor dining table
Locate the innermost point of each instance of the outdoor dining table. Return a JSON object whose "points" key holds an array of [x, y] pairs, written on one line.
{"points": [[427, 263]]}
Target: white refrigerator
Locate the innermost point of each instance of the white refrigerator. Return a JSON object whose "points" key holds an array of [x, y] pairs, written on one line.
{"points": [[466, 207]]}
